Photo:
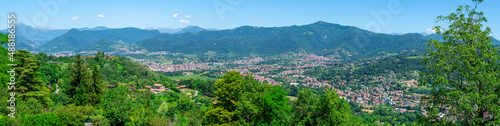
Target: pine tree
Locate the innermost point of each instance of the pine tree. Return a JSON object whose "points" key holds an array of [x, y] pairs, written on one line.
{"points": [[79, 81], [97, 86], [31, 84]]}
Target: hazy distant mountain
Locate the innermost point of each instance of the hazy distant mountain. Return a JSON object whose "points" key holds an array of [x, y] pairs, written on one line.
{"points": [[191, 29], [398, 33], [440, 38], [273, 40], [98, 28], [188, 29], [74, 39], [37, 35], [166, 30]]}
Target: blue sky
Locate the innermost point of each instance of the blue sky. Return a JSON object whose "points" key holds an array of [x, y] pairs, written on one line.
{"points": [[405, 15]]}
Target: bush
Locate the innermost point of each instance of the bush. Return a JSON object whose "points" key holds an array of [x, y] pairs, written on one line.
{"points": [[100, 121], [74, 115], [175, 89], [46, 119]]}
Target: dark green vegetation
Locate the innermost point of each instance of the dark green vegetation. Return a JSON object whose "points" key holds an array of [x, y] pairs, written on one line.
{"points": [[103, 45], [75, 39]]}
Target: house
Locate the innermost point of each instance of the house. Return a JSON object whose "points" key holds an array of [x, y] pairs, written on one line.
{"points": [[159, 87], [182, 87], [187, 73], [150, 89]]}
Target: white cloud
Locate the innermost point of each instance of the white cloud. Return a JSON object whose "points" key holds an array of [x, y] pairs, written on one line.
{"points": [[75, 18], [100, 16], [432, 30], [188, 16], [184, 21], [175, 15]]}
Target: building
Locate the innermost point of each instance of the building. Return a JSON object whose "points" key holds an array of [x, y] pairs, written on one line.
{"points": [[159, 87], [182, 87], [187, 73]]}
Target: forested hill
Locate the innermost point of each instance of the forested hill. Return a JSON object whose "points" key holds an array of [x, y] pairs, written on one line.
{"points": [[74, 39], [274, 40]]}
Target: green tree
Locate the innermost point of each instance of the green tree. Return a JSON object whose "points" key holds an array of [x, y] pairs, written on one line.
{"points": [[96, 86], [229, 90], [31, 84], [77, 88], [45, 119], [73, 115], [217, 115], [332, 110], [463, 72], [117, 106]]}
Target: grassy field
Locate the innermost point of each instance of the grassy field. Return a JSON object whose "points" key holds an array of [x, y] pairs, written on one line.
{"points": [[292, 98], [194, 76]]}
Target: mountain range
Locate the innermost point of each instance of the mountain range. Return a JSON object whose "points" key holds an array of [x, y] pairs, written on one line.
{"points": [[316, 37]]}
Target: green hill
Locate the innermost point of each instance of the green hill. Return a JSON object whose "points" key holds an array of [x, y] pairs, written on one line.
{"points": [[103, 45], [74, 39]]}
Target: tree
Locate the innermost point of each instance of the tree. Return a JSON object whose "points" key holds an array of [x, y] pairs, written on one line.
{"points": [[229, 90], [31, 84], [79, 82], [45, 119], [97, 86], [117, 106], [217, 115], [462, 71], [332, 110], [73, 115], [304, 107]]}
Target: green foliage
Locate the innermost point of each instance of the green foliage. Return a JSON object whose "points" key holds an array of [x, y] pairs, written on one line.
{"points": [[206, 87], [73, 115], [217, 115], [241, 101], [30, 107], [229, 90], [45, 119], [31, 84], [100, 121], [79, 82], [96, 88], [327, 109], [463, 72], [117, 105], [167, 109]]}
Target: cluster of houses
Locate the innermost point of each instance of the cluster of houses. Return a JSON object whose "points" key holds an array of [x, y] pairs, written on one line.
{"points": [[180, 67]]}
